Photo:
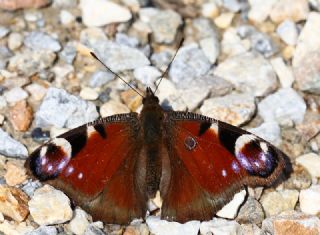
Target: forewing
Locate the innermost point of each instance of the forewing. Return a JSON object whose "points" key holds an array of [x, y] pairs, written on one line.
{"points": [[95, 164], [211, 161]]}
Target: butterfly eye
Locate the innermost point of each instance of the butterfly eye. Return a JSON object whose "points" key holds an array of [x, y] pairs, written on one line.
{"points": [[190, 143]]}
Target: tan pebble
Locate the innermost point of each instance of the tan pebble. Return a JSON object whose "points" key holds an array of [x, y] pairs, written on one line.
{"points": [[13, 203], [224, 20], [15, 174], [131, 99], [288, 52], [13, 5], [131, 231], [20, 115], [113, 107]]}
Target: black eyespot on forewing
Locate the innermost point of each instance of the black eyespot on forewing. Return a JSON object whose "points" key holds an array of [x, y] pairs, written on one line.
{"points": [[77, 139], [101, 130], [204, 126], [228, 136]]}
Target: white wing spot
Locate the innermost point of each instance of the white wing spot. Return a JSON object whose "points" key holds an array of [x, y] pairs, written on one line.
{"points": [[224, 173], [80, 176]]}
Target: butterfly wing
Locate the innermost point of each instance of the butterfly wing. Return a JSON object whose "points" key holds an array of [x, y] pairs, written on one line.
{"points": [[211, 161], [94, 165]]}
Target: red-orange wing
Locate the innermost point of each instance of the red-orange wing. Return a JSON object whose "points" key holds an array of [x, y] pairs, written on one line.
{"points": [[211, 161], [94, 164]]}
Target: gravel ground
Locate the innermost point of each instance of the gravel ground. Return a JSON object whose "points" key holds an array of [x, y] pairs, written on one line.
{"points": [[253, 64]]}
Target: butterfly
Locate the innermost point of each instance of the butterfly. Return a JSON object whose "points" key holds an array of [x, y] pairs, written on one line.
{"points": [[111, 167]]}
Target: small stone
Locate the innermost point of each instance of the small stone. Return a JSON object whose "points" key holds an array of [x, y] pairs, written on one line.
{"points": [[224, 20], [308, 40], [105, 12], [30, 62], [69, 52], [100, 78], [93, 229], [189, 64], [307, 74], [65, 3], [10, 147], [260, 9], [200, 28], [147, 75], [13, 5], [3, 31], [251, 212], [219, 227], [15, 41], [39, 135], [269, 131], [232, 5], [170, 97], [232, 44], [161, 60], [5, 55], [30, 187], [211, 48], [283, 72], [15, 174], [79, 222], [164, 26], [288, 32], [13, 203], [36, 91], [250, 229], [299, 179], [249, 72], [310, 200], [15, 95], [311, 162], [88, 93], [290, 106], [124, 39], [291, 222], [163, 227], [230, 210], [10, 228], [66, 17], [210, 10], [119, 57], [113, 107], [43, 230], [75, 110], [20, 115], [278, 201], [289, 10], [33, 16], [131, 99], [49, 206], [41, 41], [235, 109]]}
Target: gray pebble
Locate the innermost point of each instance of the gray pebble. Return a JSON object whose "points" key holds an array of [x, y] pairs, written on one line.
{"points": [[189, 64], [249, 72], [200, 28], [251, 212], [10, 147], [3, 31], [57, 102], [119, 57], [232, 5], [164, 26], [30, 187], [29, 62], [43, 230], [5, 54], [124, 39], [161, 59], [269, 131], [93, 230], [100, 78], [147, 75], [285, 104], [69, 52], [41, 41]]}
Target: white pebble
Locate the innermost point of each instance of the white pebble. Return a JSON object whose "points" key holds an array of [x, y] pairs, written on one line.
{"points": [[310, 200]]}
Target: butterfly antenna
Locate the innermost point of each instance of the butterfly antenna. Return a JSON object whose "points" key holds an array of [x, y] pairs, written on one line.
{"points": [[117, 75], [169, 65]]}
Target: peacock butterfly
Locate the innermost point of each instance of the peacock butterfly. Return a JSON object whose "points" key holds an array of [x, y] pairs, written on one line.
{"points": [[111, 167]]}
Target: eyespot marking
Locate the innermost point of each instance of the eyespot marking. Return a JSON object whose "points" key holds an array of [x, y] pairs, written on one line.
{"points": [[190, 143]]}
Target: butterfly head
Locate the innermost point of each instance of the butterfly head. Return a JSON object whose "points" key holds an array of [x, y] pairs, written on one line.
{"points": [[150, 98]]}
